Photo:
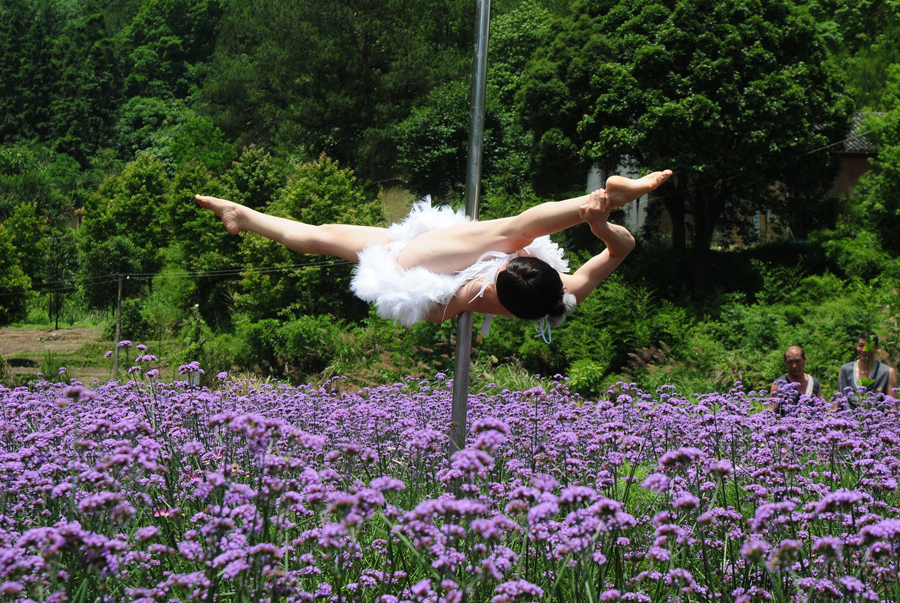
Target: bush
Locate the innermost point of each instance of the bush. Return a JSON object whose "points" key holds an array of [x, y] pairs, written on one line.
{"points": [[586, 378], [134, 325], [220, 353], [296, 349], [167, 305], [308, 345], [5, 374], [857, 256], [14, 285], [37, 313]]}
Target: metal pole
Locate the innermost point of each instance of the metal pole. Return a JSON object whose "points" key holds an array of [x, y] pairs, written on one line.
{"points": [[118, 329], [473, 188]]}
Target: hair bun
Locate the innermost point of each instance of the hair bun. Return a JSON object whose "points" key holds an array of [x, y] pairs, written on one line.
{"points": [[568, 304]]}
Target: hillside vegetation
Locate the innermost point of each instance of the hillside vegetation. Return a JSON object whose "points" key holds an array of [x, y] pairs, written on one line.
{"points": [[113, 114]]}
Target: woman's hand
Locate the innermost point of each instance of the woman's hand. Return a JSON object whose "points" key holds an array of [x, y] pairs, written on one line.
{"points": [[595, 211]]}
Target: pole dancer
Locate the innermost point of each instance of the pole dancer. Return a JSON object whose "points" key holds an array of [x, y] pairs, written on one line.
{"points": [[437, 263]]}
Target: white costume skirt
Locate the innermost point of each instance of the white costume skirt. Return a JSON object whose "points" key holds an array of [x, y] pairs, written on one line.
{"points": [[408, 296]]}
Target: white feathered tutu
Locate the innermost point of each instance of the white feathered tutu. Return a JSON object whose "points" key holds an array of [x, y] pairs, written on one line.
{"points": [[408, 296]]}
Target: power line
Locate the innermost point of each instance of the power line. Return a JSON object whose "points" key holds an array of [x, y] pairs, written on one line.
{"points": [[237, 271], [71, 285]]}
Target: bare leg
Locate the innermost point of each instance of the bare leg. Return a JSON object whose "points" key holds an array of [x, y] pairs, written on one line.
{"points": [[340, 240], [623, 190], [456, 247], [552, 217]]}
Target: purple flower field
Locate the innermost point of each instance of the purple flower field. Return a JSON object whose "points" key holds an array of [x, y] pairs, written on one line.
{"points": [[250, 491]]}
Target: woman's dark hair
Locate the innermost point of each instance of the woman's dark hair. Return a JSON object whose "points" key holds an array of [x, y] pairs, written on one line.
{"points": [[529, 288]]}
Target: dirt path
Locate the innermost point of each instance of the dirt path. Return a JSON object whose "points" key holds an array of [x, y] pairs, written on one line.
{"points": [[37, 342], [34, 345]]}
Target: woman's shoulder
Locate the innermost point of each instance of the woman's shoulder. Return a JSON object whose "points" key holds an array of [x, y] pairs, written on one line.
{"points": [[471, 298]]}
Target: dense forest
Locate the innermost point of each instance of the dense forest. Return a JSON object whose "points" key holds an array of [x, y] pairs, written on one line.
{"points": [[113, 114]]}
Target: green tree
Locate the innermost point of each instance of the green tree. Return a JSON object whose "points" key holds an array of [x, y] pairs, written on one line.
{"points": [[198, 139], [123, 229], [86, 92], [273, 284], [173, 132], [866, 71], [60, 74], [59, 269], [14, 285], [849, 26], [26, 233], [27, 31], [146, 124], [734, 96], [433, 141], [863, 37], [33, 174], [169, 302], [100, 264], [204, 246], [168, 44], [876, 205], [129, 204], [254, 178], [334, 76]]}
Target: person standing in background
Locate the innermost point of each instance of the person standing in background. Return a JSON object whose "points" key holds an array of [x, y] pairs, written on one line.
{"points": [[865, 371], [803, 384]]}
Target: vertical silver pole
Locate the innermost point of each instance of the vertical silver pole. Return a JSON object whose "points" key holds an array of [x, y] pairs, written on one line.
{"points": [[118, 329], [473, 189]]}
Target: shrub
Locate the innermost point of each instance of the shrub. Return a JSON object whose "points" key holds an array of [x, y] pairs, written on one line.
{"points": [[859, 255], [308, 345], [134, 326], [586, 377], [5, 374]]}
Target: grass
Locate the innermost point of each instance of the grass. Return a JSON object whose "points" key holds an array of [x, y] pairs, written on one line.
{"points": [[513, 377], [85, 362]]}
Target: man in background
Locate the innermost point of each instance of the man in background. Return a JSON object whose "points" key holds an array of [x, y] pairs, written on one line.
{"points": [[799, 382]]}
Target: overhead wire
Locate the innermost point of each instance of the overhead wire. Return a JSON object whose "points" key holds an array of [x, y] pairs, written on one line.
{"points": [[103, 279]]}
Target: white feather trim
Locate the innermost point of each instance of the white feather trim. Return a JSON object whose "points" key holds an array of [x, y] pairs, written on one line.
{"points": [[408, 296]]}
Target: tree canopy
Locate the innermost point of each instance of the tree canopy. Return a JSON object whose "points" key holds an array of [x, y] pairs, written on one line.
{"points": [[733, 96]]}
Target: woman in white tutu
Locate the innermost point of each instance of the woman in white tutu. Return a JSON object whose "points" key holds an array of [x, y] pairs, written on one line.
{"points": [[437, 263]]}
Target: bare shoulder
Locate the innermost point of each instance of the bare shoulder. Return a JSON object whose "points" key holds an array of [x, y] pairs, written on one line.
{"points": [[467, 299]]}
